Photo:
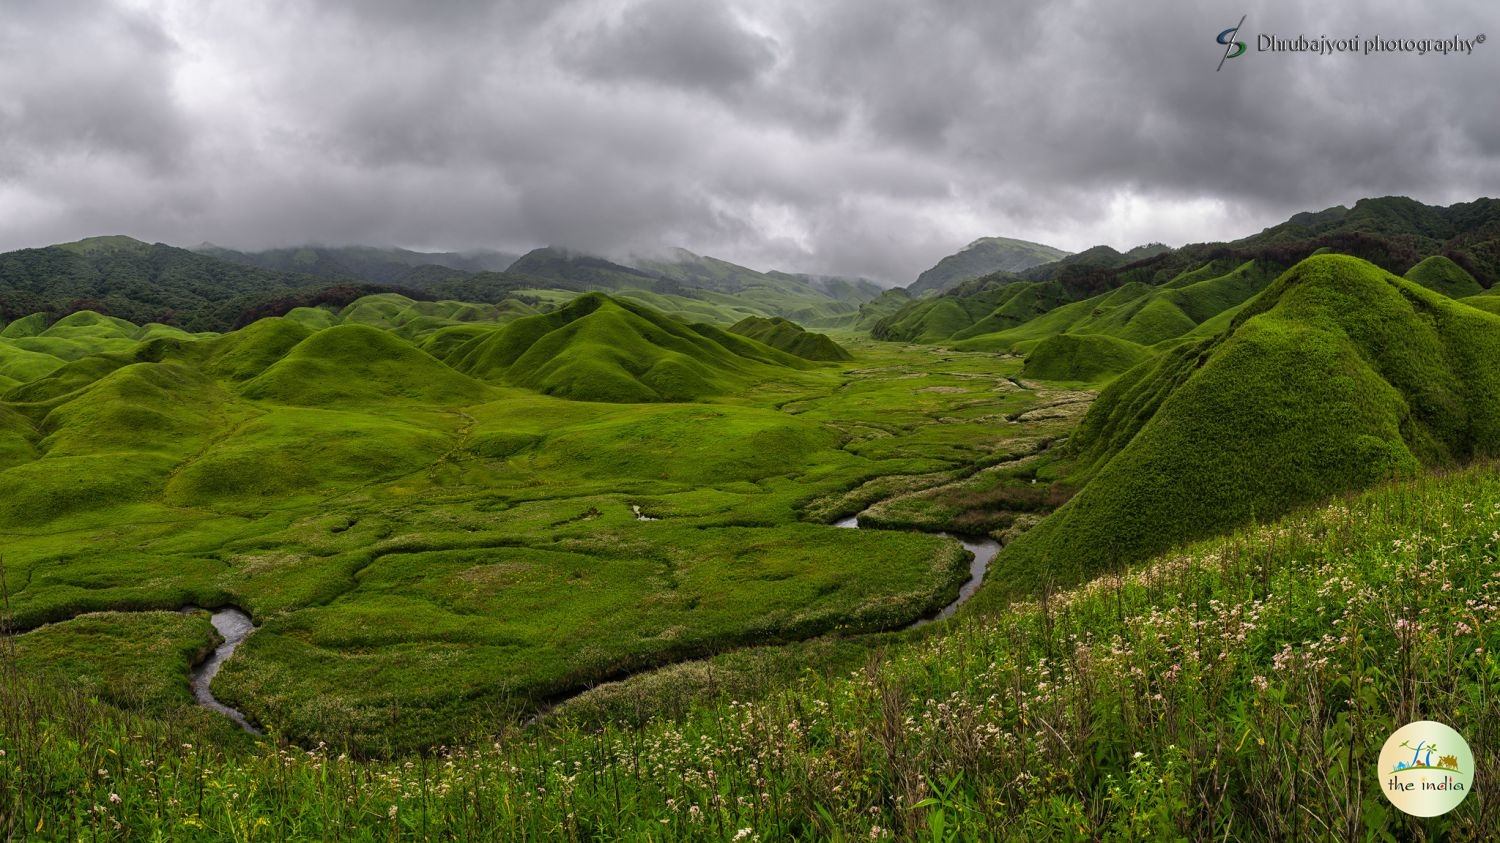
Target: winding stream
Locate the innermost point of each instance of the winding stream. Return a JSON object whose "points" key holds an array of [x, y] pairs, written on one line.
{"points": [[234, 625], [984, 551]]}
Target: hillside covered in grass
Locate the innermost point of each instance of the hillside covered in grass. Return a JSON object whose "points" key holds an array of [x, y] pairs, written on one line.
{"points": [[1338, 376], [790, 337], [601, 349], [427, 540], [1395, 233]]}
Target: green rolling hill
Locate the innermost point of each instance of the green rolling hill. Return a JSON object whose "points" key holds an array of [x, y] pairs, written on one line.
{"points": [[360, 364], [1338, 376], [1081, 357], [601, 349], [1137, 312], [1440, 274], [790, 337], [1395, 233]]}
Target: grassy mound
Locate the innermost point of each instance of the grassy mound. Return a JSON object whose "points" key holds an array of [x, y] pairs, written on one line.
{"points": [[410, 318], [162, 407], [289, 453], [790, 337], [1082, 357], [26, 326], [22, 365], [88, 323], [1338, 376], [253, 349], [1442, 275], [313, 318], [600, 349], [357, 363], [66, 379], [1489, 304]]}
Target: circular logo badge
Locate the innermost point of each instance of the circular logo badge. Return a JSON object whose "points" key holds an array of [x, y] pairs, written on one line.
{"points": [[1426, 769]]}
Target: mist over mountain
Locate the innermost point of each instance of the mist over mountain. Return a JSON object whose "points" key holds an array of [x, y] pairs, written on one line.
{"points": [[984, 256]]}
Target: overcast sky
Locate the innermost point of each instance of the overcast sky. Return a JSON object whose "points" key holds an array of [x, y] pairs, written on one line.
{"points": [[857, 137]]}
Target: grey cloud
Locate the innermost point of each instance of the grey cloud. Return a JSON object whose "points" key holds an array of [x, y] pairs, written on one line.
{"points": [[80, 79], [844, 137], [685, 44]]}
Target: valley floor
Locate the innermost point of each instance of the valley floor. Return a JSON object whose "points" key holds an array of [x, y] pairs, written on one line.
{"points": [[420, 573]]}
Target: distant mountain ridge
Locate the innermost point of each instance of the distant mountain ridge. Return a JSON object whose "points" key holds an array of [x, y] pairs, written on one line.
{"points": [[678, 272], [214, 288], [361, 263], [1394, 233], [984, 256]]}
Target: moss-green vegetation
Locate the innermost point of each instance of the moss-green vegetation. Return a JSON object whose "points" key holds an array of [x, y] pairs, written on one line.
{"points": [[425, 550], [1081, 357], [1137, 312], [1489, 304], [599, 349], [354, 363], [790, 337], [1338, 376]]}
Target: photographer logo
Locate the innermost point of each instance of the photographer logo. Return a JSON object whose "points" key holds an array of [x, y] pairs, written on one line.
{"points": [[1232, 48]]}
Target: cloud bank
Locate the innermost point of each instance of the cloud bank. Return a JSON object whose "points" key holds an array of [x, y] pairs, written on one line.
{"points": [[855, 137]]}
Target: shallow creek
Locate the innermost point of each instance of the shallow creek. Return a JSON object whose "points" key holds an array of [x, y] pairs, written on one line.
{"points": [[983, 549], [234, 625]]}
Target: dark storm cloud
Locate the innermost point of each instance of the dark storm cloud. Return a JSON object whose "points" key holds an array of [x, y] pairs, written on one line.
{"points": [[677, 43], [78, 78], [852, 136]]}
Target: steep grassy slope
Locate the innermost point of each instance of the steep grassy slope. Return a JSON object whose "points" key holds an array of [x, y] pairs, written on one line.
{"points": [[984, 256], [17, 439], [243, 354], [790, 337], [1489, 304], [886, 304], [600, 349], [1338, 376], [997, 301]]}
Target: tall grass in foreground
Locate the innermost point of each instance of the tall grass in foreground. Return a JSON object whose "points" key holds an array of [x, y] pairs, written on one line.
{"points": [[1240, 689]]}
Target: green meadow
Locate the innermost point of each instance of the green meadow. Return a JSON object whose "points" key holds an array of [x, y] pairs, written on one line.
{"points": [[437, 513]]}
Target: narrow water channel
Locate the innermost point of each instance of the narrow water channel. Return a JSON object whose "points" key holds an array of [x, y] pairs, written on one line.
{"points": [[234, 625], [984, 551]]}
